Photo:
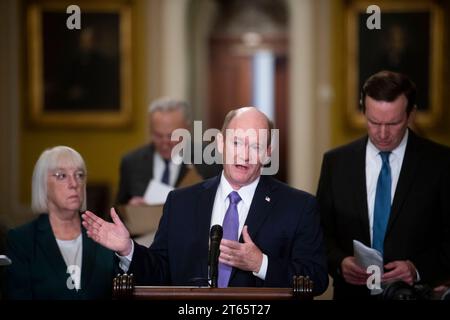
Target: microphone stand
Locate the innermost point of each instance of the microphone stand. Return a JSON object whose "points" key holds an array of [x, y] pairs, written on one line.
{"points": [[214, 253], [213, 271]]}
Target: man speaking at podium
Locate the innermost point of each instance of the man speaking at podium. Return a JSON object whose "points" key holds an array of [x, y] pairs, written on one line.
{"points": [[271, 231]]}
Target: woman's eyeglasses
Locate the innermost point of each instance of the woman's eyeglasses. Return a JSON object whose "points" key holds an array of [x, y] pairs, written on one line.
{"points": [[79, 176]]}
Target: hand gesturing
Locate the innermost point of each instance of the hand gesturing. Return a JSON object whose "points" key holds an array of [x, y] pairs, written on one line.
{"points": [[113, 236]]}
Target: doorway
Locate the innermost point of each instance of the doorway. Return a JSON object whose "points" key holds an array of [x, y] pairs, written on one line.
{"points": [[248, 65]]}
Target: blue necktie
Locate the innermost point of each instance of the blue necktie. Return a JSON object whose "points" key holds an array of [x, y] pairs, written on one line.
{"points": [[382, 207], [230, 231], [166, 173]]}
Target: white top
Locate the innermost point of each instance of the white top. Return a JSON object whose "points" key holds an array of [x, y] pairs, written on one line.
{"points": [[72, 252], [373, 167]]}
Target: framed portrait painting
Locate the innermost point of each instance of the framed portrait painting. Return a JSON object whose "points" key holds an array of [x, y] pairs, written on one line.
{"points": [[409, 41], [79, 77]]}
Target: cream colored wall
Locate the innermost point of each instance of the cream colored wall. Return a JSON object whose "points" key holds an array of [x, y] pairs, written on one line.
{"points": [[310, 90], [302, 99], [174, 47], [201, 14]]}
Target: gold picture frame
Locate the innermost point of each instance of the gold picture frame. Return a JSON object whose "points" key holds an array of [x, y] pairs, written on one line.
{"points": [[409, 41], [79, 78]]}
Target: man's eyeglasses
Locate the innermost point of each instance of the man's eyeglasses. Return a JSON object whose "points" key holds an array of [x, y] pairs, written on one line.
{"points": [[79, 176]]}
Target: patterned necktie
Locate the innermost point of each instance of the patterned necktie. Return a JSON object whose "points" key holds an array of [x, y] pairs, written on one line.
{"points": [[230, 231], [382, 208], [166, 174]]}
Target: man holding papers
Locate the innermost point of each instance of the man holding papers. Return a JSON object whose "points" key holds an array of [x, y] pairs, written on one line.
{"points": [[390, 191]]}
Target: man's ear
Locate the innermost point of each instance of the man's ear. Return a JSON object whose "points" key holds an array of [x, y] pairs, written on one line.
{"points": [[220, 142], [412, 118]]}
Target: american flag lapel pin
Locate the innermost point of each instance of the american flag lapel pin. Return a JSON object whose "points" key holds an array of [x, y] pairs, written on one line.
{"points": [[267, 199]]}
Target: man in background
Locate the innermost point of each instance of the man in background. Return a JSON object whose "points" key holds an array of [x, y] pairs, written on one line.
{"points": [[153, 161]]}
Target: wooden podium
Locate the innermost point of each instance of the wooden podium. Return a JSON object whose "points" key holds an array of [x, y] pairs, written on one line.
{"points": [[123, 288]]}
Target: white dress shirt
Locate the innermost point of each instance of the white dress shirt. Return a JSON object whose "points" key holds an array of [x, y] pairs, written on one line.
{"points": [[222, 202], [159, 166], [373, 167]]}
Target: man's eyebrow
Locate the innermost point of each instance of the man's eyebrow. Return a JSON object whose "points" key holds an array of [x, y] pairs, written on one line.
{"points": [[385, 123]]}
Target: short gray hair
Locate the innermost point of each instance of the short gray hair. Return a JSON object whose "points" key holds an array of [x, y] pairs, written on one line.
{"points": [[165, 104], [49, 160]]}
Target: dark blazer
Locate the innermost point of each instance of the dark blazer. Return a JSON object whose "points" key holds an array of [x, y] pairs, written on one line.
{"points": [[136, 171], [418, 229], [38, 270], [282, 221]]}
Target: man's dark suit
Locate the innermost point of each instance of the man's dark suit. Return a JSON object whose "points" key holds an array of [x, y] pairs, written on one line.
{"points": [[283, 222], [418, 229], [38, 270], [136, 171]]}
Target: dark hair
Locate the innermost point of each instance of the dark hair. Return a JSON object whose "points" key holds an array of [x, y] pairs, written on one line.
{"points": [[388, 86]]}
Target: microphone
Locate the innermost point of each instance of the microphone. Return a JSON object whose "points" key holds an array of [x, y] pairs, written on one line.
{"points": [[215, 237]]}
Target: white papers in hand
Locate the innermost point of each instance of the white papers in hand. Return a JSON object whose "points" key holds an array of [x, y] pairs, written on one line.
{"points": [[4, 260], [156, 192], [366, 257]]}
